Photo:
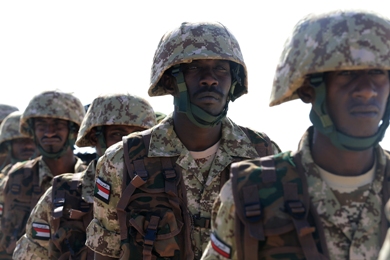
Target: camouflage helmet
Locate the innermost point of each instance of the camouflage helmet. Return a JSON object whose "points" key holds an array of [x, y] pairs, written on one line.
{"points": [[9, 129], [116, 109], [5, 110], [194, 41], [334, 41], [53, 104]]}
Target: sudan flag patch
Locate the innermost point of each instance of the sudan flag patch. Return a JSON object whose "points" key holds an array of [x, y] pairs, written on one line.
{"points": [[220, 247], [1, 209], [102, 190], [40, 231]]}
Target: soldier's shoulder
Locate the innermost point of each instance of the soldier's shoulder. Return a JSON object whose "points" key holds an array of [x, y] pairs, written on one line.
{"points": [[279, 163], [17, 167], [226, 194]]}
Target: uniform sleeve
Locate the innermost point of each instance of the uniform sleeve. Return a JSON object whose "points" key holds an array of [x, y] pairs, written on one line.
{"points": [[276, 148], [222, 243], [35, 243], [103, 233]]}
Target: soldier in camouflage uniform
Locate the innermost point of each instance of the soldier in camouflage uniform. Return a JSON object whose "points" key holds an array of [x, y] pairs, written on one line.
{"points": [[17, 146], [108, 118], [52, 119], [326, 200], [5, 110], [140, 209]]}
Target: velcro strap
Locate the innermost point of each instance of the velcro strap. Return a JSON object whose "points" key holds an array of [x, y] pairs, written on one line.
{"points": [[268, 172], [150, 237], [170, 176], [139, 168], [252, 206]]}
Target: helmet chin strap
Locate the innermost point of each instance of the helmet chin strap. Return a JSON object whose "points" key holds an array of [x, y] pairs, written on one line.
{"points": [[323, 123], [102, 141], [70, 141], [197, 116]]}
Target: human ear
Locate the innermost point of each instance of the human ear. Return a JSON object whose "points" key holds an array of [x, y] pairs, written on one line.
{"points": [[169, 84], [306, 92]]}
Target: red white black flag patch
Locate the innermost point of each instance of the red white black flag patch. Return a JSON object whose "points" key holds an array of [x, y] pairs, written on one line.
{"points": [[220, 247], [102, 190], [40, 231], [1, 209]]}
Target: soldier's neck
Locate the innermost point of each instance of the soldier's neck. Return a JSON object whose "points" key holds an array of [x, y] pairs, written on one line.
{"points": [[193, 137], [64, 164], [340, 162]]}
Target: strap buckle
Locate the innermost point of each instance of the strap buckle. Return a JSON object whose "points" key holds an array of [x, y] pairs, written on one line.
{"points": [[201, 222], [295, 208]]}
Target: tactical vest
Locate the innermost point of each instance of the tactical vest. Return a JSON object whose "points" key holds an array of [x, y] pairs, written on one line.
{"points": [[70, 218], [261, 188], [21, 194], [155, 222]]}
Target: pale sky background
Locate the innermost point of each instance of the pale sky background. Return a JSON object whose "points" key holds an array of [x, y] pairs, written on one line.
{"points": [[92, 47]]}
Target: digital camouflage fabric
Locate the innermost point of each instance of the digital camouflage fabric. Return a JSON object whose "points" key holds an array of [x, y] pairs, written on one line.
{"points": [[330, 214], [336, 41], [9, 129], [116, 109], [32, 246], [103, 233], [5, 110], [25, 184], [53, 104], [194, 41]]}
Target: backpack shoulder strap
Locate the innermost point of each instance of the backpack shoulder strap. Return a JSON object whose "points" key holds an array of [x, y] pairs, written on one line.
{"points": [[261, 141]]}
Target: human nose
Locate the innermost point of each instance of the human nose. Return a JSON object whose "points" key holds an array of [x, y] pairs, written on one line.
{"points": [[208, 78], [50, 130], [365, 87]]}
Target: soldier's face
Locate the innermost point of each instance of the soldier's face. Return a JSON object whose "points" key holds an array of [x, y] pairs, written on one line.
{"points": [[51, 133], [23, 148], [208, 83], [114, 134], [357, 99]]}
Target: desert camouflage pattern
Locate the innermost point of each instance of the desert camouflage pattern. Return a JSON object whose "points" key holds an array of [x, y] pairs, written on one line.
{"points": [[5, 110], [9, 129], [45, 181], [344, 239], [29, 247], [384, 254], [103, 233], [351, 40], [116, 109], [194, 41], [53, 104]]}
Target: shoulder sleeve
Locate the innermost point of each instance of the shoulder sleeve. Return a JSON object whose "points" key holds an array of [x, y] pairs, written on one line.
{"points": [[103, 233], [222, 242], [35, 243]]}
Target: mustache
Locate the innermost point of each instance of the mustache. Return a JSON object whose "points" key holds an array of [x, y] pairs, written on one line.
{"points": [[52, 137], [211, 89]]}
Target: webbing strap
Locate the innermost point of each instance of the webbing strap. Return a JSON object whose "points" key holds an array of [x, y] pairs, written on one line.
{"points": [[268, 172], [299, 217], [76, 180], [169, 176], [150, 237]]}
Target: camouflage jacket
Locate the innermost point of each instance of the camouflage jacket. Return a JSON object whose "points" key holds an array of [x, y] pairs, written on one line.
{"points": [[103, 233], [31, 246], [337, 242], [44, 176]]}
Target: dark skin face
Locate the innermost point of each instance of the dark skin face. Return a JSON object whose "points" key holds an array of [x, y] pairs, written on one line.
{"points": [[23, 148], [208, 84], [356, 102], [112, 135], [51, 133]]}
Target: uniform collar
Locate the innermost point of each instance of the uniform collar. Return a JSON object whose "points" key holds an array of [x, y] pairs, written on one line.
{"points": [[165, 143]]}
